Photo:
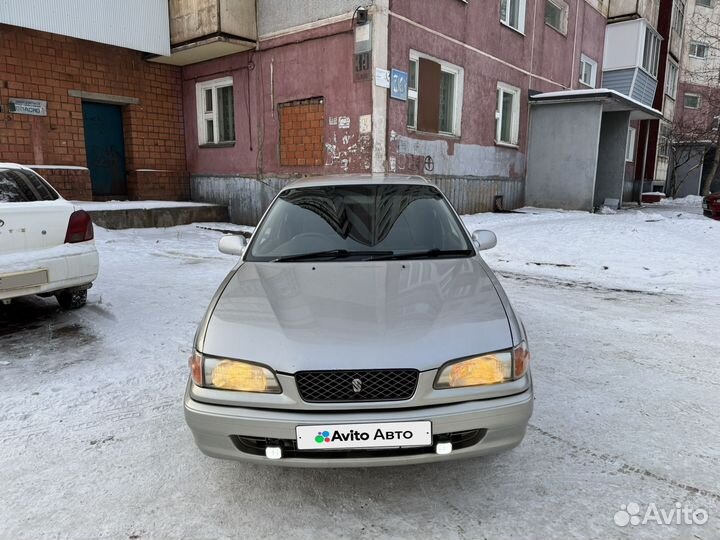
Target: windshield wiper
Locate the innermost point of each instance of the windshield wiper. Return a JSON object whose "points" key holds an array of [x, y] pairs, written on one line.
{"points": [[331, 254], [428, 253]]}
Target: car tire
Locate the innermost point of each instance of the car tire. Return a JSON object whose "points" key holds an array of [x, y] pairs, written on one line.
{"points": [[72, 299]]}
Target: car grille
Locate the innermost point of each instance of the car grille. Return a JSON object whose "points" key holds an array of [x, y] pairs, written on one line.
{"points": [[369, 385]]}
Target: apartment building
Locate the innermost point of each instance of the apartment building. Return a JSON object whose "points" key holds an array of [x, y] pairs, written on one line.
{"points": [[80, 104], [695, 138], [397, 86]]}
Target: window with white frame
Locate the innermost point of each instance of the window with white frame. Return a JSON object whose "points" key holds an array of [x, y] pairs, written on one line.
{"points": [[704, 3], [651, 52], [507, 114], [692, 101], [435, 91], [216, 111], [630, 145], [671, 79], [588, 71], [556, 15], [678, 23], [512, 13], [664, 141], [698, 49]]}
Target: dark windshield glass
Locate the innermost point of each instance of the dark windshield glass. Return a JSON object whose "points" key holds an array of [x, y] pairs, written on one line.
{"points": [[359, 221], [17, 185]]}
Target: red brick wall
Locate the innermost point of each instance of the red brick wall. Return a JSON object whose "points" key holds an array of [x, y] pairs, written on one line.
{"points": [[73, 184], [38, 65], [302, 124]]}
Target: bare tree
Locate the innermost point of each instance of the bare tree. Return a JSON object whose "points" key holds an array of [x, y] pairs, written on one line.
{"points": [[701, 84]]}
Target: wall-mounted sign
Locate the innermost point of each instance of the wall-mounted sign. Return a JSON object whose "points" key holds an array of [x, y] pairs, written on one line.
{"points": [[33, 107], [399, 84], [382, 78], [363, 67]]}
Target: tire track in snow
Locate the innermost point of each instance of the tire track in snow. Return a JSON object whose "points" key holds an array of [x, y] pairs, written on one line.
{"points": [[624, 467]]}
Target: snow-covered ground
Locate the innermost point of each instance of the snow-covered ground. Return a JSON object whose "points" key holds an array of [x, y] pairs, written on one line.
{"points": [[623, 313]]}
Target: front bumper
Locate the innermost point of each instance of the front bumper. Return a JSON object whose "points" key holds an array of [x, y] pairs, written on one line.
{"points": [[501, 421]]}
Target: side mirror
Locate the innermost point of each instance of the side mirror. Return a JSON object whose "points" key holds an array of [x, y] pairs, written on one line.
{"points": [[484, 239], [232, 244]]}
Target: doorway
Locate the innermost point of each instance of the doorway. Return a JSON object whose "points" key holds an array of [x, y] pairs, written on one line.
{"points": [[105, 148]]}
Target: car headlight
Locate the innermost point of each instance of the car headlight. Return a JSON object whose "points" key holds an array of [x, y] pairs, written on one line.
{"points": [[486, 369], [225, 374]]}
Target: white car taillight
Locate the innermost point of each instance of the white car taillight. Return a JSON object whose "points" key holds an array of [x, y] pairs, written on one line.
{"points": [[80, 228]]}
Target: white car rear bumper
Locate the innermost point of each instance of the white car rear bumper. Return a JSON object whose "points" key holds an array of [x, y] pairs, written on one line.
{"points": [[67, 266]]}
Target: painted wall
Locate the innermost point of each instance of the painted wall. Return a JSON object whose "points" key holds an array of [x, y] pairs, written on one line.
{"points": [[441, 32], [306, 65], [609, 180], [277, 16], [562, 163], [141, 25]]}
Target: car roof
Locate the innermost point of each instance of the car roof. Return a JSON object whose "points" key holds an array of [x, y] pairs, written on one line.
{"points": [[11, 166], [357, 179]]}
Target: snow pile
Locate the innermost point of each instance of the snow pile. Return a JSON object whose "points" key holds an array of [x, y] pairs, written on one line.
{"points": [[690, 200], [651, 251]]}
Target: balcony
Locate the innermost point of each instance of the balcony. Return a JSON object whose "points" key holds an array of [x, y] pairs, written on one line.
{"points": [[202, 30], [632, 56]]}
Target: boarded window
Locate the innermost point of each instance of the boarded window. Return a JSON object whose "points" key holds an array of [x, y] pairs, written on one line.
{"points": [[301, 133], [434, 96]]}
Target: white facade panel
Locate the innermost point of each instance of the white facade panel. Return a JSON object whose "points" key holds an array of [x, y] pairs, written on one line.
{"points": [[624, 44], [142, 25]]}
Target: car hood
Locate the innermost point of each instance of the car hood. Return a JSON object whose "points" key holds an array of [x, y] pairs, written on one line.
{"points": [[357, 315]]}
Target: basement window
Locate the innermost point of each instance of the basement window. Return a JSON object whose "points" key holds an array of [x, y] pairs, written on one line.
{"points": [[216, 112], [435, 91], [507, 115]]}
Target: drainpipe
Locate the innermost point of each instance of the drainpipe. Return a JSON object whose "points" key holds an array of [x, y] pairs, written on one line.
{"points": [[380, 30]]}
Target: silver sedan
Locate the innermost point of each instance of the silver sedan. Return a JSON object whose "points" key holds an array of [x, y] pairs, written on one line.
{"points": [[360, 327]]}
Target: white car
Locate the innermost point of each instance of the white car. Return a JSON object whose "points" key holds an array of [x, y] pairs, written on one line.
{"points": [[46, 243]]}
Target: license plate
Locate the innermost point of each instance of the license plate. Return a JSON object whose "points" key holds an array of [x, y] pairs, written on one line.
{"points": [[23, 280], [381, 435]]}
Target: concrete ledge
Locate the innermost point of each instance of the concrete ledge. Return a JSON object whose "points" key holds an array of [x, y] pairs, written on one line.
{"points": [[140, 218]]}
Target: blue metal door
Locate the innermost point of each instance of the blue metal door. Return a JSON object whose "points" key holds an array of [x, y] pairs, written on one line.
{"points": [[105, 148]]}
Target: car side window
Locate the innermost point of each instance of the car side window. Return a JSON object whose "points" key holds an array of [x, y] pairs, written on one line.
{"points": [[24, 186]]}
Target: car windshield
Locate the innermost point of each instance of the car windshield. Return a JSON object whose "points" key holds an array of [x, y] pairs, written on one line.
{"points": [[18, 185], [366, 222]]}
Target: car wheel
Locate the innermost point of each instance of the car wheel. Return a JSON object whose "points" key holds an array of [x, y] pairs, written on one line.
{"points": [[70, 299]]}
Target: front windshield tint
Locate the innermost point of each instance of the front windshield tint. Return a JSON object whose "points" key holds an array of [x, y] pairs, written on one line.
{"points": [[361, 221]]}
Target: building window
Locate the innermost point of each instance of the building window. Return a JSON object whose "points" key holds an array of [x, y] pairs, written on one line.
{"points": [[678, 17], [699, 50], [651, 53], [664, 141], [588, 71], [216, 111], [434, 95], [692, 101], [671, 79], [704, 3], [507, 114], [302, 125], [715, 123], [630, 145], [512, 14], [556, 15]]}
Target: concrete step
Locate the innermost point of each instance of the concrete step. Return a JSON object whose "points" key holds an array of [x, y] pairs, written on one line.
{"points": [[144, 214]]}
